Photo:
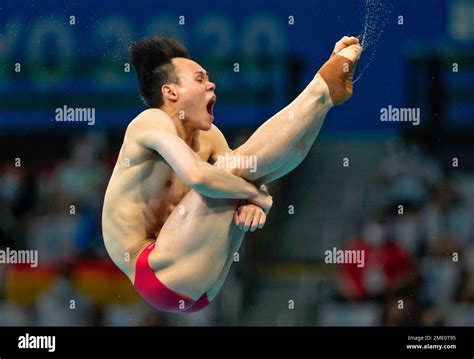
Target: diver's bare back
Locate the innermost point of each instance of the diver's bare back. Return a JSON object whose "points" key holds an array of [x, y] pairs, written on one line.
{"points": [[142, 192]]}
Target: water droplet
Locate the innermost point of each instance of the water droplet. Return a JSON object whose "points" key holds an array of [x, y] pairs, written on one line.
{"points": [[375, 19]]}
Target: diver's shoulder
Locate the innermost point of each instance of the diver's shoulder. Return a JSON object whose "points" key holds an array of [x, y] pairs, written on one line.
{"points": [[152, 119]]}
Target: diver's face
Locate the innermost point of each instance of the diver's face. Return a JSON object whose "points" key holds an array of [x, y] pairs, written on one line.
{"points": [[195, 94]]}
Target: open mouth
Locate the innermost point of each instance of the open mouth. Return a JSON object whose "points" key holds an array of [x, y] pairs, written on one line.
{"points": [[210, 106]]}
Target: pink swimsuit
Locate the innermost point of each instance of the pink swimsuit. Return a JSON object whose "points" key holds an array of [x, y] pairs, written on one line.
{"points": [[157, 294]]}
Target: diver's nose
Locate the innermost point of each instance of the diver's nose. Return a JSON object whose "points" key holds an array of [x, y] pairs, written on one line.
{"points": [[211, 86]]}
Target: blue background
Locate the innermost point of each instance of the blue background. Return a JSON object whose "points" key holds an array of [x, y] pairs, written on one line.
{"points": [[35, 33]]}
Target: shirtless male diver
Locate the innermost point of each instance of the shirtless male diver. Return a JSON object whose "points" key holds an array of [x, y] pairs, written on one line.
{"points": [[174, 214]]}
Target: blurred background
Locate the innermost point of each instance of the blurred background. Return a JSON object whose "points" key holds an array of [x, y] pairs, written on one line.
{"points": [[402, 193]]}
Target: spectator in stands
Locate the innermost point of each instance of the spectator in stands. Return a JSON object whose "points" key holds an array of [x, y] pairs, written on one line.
{"points": [[387, 265]]}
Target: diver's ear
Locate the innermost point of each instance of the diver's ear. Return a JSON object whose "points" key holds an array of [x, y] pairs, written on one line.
{"points": [[169, 91]]}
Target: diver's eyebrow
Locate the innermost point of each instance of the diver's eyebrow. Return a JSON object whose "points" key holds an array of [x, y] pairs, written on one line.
{"points": [[206, 74]]}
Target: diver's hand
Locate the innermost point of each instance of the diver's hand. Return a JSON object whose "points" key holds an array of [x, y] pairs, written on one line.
{"points": [[249, 217]]}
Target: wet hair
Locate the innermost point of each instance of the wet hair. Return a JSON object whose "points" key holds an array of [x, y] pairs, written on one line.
{"points": [[151, 58]]}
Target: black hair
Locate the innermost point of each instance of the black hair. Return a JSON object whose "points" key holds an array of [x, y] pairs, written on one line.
{"points": [[151, 58]]}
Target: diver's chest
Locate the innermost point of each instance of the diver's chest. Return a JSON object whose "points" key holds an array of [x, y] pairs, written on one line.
{"points": [[203, 148], [176, 188]]}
